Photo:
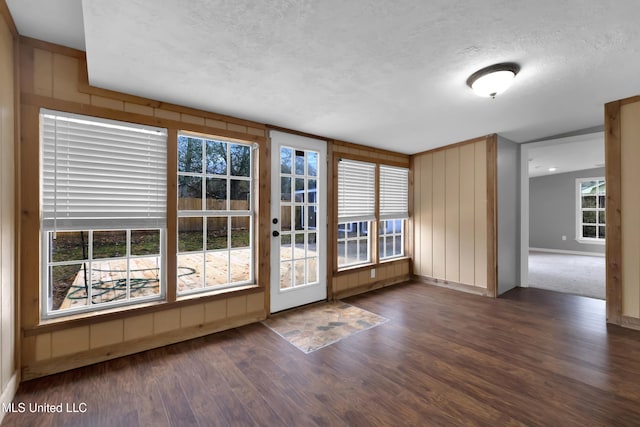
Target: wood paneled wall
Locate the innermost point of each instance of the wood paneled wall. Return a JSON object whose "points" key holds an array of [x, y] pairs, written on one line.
{"points": [[622, 152], [55, 77], [454, 215], [9, 377]]}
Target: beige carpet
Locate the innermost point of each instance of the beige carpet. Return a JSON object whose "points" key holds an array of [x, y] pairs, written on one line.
{"points": [[314, 327], [571, 274]]}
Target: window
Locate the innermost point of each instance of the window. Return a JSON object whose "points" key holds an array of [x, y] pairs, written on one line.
{"points": [[394, 209], [356, 210], [591, 199], [103, 212], [215, 214]]}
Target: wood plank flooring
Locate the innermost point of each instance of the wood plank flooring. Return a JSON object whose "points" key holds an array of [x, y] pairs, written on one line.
{"points": [[444, 358]]}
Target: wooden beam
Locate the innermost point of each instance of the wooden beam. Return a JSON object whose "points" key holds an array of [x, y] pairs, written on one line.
{"points": [[492, 215]]}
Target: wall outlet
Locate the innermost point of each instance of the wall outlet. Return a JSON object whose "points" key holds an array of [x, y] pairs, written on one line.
{"points": [[564, 237], [373, 273]]}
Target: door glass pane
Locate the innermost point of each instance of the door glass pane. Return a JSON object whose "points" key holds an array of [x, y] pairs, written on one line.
{"points": [[299, 162], [285, 275], [285, 160], [298, 246], [299, 198], [588, 231], [589, 217], [601, 202], [286, 250], [589, 201], [312, 165], [299, 272], [601, 232], [311, 244], [312, 270], [285, 218], [285, 189], [299, 219], [601, 217], [589, 187]]}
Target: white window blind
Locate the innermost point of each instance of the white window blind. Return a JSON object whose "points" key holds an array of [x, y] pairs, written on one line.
{"points": [[394, 193], [101, 174], [356, 191]]}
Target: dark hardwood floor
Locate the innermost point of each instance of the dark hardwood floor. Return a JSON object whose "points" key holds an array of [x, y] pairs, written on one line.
{"points": [[532, 357]]}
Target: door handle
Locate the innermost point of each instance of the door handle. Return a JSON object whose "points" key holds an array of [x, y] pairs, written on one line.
{"points": [[275, 233]]}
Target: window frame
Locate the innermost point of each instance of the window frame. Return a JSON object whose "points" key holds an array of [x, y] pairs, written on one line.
{"points": [[205, 213], [79, 221], [580, 210]]}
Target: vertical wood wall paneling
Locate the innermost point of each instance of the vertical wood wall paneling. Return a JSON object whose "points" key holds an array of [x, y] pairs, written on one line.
{"points": [[9, 107], [172, 214], [331, 221], [426, 218], [630, 204], [262, 251], [439, 215], [452, 214], [613, 178], [467, 214], [409, 228], [480, 226], [492, 215]]}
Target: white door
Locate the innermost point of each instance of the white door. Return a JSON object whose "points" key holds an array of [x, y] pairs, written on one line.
{"points": [[298, 220]]}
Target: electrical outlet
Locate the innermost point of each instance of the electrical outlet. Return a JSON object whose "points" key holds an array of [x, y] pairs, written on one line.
{"points": [[564, 237], [373, 273]]}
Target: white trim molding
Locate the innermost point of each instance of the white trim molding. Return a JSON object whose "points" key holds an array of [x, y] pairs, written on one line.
{"points": [[9, 393]]}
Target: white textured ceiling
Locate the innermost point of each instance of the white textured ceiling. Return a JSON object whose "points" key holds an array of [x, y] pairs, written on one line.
{"points": [[385, 73], [566, 154]]}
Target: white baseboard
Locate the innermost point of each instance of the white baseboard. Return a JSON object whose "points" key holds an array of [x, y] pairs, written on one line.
{"points": [[560, 251], [9, 393]]}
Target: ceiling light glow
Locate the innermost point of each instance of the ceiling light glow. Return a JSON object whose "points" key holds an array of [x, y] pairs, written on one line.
{"points": [[494, 79], [553, 169]]}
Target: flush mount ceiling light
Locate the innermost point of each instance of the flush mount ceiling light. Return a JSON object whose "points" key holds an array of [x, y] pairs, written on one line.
{"points": [[494, 79]]}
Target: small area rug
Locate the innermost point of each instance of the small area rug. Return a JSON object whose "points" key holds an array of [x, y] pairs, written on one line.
{"points": [[314, 327]]}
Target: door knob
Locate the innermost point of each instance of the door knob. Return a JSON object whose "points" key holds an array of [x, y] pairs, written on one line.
{"points": [[275, 233]]}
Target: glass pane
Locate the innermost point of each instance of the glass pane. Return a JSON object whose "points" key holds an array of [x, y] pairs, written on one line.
{"points": [[298, 248], [312, 185], [363, 250], [240, 265], [285, 218], [145, 242], [601, 201], [217, 194], [190, 234], [398, 225], [286, 250], [299, 162], [589, 201], [189, 193], [217, 232], [69, 246], [589, 187], [217, 269], [108, 281], [352, 229], [312, 163], [285, 189], [285, 275], [216, 157], [312, 270], [144, 276], [189, 154], [311, 218], [382, 247], [311, 244], [240, 194], [299, 273], [601, 232], [299, 217], [285, 160], [588, 231], [240, 232], [190, 272], [342, 231], [299, 190], [109, 244], [352, 252], [601, 217], [240, 160], [398, 249], [602, 187], [68, 286], [589, 217]]}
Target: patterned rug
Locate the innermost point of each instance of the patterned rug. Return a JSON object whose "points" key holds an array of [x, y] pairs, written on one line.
{"points": [[317, 326]]}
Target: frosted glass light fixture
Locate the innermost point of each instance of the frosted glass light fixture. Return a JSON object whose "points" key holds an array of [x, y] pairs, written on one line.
{"points": [[494, 79]]}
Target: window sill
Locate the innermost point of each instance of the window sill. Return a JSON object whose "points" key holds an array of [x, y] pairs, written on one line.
{"points": [[360, 267], [83, 319], [591, 242]]}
